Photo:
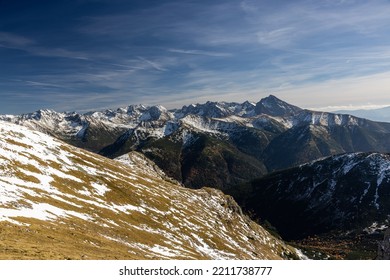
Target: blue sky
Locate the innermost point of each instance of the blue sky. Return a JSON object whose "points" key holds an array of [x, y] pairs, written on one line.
{"points": [[85, 55]]}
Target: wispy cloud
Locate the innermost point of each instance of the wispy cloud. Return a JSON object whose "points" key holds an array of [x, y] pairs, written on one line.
{"points": [[296, 22], [279, 38], [57, 52], [14, 41], [200, 52], [153, 64], [41, 84]]}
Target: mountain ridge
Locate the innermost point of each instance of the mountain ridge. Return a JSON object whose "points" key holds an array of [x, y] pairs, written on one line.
{"points": [[270, 135], [347, 191]]}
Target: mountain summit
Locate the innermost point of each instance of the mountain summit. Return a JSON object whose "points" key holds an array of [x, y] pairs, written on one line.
{"points": [[273, 106]]}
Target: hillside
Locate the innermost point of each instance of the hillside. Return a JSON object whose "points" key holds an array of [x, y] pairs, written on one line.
{"points": [[339, 197], [339, 192], [60, 202]]}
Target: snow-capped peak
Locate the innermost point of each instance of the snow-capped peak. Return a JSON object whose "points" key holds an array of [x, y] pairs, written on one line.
{"points": [[155, 113]]}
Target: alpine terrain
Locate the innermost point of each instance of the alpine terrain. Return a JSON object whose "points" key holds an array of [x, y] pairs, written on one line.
{"points": [[61, 202], [217, 144]]}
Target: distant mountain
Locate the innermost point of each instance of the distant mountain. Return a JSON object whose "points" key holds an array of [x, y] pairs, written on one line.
{"points": [[229, 147], [217, 144], [180, 141], [217, 109], [318, 134], [92, 131], [273, 106], [200, 152], [344, 192], [61, 202], [380, 115]]}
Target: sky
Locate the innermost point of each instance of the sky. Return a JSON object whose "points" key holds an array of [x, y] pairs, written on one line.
{"points": [[84, 55]]}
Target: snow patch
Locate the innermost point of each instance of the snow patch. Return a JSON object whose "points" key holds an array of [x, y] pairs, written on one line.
{"points": [[301, 255], [41, 211], [99, 188], [375, 227]]}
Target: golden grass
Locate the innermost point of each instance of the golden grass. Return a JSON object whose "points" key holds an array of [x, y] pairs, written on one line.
{"points": [[173, 217]]}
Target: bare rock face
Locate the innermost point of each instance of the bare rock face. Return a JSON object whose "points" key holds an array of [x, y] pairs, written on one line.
{"points": [[384, 247]]}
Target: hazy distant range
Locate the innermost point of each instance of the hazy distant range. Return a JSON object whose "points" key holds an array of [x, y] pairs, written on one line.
{"points": [[381, 114]]}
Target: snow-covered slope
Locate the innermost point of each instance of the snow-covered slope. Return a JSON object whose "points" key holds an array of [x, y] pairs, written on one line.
{"points": [[60, 202], [93, 130], [326, 119], [140, 163], [50, 122]]}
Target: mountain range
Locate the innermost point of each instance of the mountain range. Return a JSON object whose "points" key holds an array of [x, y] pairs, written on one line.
{"points": [[62, 202], [217, 144]]}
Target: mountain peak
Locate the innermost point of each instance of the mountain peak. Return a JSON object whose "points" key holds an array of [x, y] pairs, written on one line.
{"points": [[274, 106], [37, 115], [155, 113], [272, 97], [210, 109]]}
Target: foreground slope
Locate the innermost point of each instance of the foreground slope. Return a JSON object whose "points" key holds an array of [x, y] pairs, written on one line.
{"points": [[60, 202]]}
